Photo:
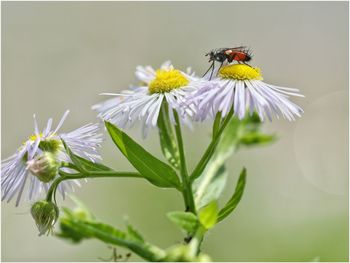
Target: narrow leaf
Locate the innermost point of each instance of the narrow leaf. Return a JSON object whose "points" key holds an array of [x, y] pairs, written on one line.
{"points": [[84, 164], [167, 137], [256, 138], [225, 147], [76, 228], [208, 215], [220, 148], [185, 220], [154, 170], [133, 234], [91, 166], [209, 190], [236, 197]]}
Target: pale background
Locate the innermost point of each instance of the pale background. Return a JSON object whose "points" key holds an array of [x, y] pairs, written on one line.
{"points": [[61, 55]]}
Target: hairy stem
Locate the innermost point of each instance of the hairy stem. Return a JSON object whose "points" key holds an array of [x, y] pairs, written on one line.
{"points": [[96, 174], [196, 241], [187, 187], [216, 124]]}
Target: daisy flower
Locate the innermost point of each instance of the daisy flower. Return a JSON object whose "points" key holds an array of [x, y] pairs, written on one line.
{"points": [[39, 158], [238, 87], [144, 102]]}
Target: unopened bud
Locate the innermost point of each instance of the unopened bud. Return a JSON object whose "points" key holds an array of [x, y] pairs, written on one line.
{"points": [[44, 167], [45, 215]]}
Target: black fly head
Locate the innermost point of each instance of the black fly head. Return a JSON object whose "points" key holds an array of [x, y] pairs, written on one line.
{"points": [[211, 55]]}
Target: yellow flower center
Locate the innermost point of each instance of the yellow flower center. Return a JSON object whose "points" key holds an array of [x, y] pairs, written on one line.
{"points": [[49, 144], [34, 136], [240, 72], [167, 80]]}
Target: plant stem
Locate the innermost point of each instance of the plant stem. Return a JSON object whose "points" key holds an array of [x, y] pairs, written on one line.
{"points": [[97, 174], [216, 124], [187, 186], [196, 241]]}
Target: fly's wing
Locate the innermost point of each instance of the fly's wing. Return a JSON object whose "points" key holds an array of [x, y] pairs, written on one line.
{"points": [[230, 50]]}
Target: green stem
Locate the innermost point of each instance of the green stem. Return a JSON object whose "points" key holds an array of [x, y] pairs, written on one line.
{"points": [[196, 241], [210, 150], [68, 165], [187, 186], [216, 124], [97, 174]]}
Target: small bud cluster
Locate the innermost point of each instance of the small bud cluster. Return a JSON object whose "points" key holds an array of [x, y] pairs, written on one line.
{"points": [[45, 215], [44, 167]]}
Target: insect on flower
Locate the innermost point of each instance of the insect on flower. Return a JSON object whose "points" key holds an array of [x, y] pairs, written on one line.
{"points": [[240, 54]]}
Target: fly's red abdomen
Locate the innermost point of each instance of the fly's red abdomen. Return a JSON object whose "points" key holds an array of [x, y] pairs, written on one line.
{"points": [[238, 56]]}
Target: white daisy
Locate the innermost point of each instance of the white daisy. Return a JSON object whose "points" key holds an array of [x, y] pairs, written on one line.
{"points": [[239, 87], [37, 158], [144, 102]]}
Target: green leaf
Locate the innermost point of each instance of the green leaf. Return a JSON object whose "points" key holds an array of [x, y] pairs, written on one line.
{"points": [[133, 234], [167, 137], [240, 129], [208, 189], [185, 220], [154, 170], [256, 138], [236, 197], [84, 164], [208, 215], [69, 233], [76, 228], [79, 213], [220, 148], [227, 144]]}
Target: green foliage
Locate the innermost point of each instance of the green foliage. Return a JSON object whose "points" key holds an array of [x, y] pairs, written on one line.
{"points": [[167, 138], [133, 234], [210, 188], [154, 170], [219, 150], [212, 179], [187, 221], [236, 197], [77, 226], [256, 138], [251, 135], [208, 215], [82, 164]]}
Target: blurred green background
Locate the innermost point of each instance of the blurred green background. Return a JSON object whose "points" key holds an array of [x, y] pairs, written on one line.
{"points": [[60, 55]]}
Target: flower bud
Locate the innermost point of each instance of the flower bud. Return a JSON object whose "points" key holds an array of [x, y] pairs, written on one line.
{"points": [[45, 215], [44, 167]]}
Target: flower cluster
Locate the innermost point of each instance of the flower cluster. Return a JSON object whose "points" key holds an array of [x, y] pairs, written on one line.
{"points": [[50, 161], [237, 88]]}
